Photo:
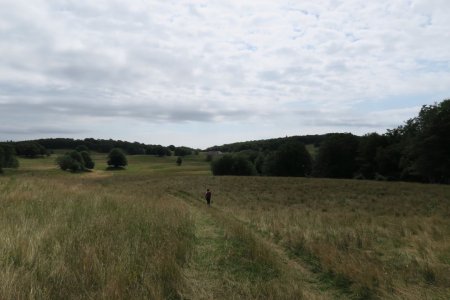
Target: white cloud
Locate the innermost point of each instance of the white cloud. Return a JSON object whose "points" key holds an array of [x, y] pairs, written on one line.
{"points": [[215, 62]]}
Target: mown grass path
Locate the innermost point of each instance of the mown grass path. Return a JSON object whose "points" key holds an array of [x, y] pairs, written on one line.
{"points": [[215, 272], [204, 277]]}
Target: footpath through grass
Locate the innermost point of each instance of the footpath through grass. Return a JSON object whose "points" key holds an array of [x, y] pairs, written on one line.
{"points": [[230, 262], [146, 232]]}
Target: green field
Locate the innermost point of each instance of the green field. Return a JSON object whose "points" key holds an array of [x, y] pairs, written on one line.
{"points": [[146, 233]]}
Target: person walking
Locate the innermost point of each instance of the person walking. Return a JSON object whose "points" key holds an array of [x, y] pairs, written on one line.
{"points": [[208, 197]]}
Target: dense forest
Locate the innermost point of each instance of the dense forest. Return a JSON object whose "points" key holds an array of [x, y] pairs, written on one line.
{"points": [[419, 150]]}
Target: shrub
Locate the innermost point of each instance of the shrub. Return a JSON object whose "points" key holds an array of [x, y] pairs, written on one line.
{"points": [[88, 162], [75, 161], [66, 162]]}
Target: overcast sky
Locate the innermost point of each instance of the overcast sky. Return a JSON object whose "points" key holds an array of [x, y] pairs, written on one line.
{"points": [[203, 73]]}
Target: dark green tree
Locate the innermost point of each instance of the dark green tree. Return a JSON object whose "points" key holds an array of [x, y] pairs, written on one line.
{"points": [[336, 157], [368, 146], [30, 149], [222, 165], [2, 158], [88, 162], [116, 158], [182, 151], [9, 156], [242, 166], [291, 159], [72, 161], [427, 151], [66, 162], [81, 148]]}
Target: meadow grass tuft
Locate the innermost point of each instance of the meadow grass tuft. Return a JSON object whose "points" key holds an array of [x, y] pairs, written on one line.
{"points": [[71, 238]]}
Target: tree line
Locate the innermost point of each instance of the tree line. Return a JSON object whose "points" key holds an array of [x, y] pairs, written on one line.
{"points": [[269, 144], [43, 147], [419, 151]]}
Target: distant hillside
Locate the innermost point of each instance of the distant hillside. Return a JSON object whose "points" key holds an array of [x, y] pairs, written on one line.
{"points": [[104, 146], [270, 144]]}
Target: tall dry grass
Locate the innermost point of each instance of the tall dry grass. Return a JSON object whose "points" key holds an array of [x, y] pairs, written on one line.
{"points": [[71, 236], [369, 239]]}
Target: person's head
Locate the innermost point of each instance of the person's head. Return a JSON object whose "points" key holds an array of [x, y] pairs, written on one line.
{"points": [[207, 190]]}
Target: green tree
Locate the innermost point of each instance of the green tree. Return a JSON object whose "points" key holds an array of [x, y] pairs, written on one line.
{"points": [[182, 151], [30, 149], [242, 166], [427, 151], [117, 158], [9, 156], [222, 165], [291, 159], [368, 146], [2, 158], [72, 161], [237, 165], [66, 162], [88, 162], [336, 157], [81, 148]]}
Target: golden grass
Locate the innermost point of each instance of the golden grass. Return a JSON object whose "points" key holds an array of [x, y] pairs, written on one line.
{"points": [[144, 232], [69, 237], [370, 239]]}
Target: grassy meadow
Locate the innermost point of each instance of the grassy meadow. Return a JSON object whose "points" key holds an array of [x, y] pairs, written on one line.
{"points": [[146, 233]]}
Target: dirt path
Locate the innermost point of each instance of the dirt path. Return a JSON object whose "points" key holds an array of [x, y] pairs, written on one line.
{"points": [[208, 278]]}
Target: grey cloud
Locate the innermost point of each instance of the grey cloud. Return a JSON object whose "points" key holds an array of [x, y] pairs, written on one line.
{"points": [[217, 61], [38, 130]]}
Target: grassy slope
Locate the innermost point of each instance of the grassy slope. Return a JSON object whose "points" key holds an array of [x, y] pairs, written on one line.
{"points": [[145, 232]]}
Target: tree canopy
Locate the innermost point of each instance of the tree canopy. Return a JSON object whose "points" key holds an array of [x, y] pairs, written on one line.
{"points": [[116, 158]]}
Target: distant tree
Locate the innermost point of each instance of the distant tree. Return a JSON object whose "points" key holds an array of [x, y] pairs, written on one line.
{"points": [[81, 148], [171, 148], [366, 158], [179, 161], [117, 158], [72, 161], [242, 166], [160, 151], [222, 165], [259, 162], [66, 162], [233, 165], [428, 150], [336, 157], [209, 157], [30, 149], [2, 158], [251, 155], [291, 159], [88, 162], [9, 156], [388, 160], [182, 151]]}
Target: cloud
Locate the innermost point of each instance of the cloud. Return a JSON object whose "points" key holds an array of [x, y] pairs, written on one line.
{"points": [[219, 61]]}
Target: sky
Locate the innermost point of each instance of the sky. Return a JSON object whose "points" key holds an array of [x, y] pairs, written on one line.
{"points": [[204, 73]]}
